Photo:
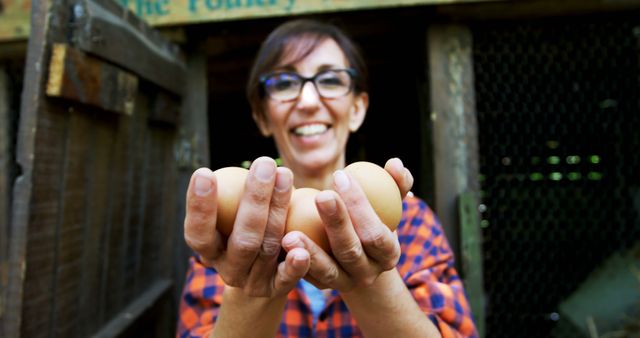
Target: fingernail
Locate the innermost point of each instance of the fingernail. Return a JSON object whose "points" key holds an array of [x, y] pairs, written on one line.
{"points": [[283, 182], [327, 202], [341, 179], [265, 171], [202, 185], [399, 163]]}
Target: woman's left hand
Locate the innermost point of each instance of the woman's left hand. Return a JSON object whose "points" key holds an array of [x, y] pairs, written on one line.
{"points": [[362, 246]]}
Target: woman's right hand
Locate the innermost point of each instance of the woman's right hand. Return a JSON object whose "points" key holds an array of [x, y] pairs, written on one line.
{"points": [[249, 258]]}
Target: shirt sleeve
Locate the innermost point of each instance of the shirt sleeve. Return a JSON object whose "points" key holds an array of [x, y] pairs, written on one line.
{"points": [[427, 267], [200, 301]]}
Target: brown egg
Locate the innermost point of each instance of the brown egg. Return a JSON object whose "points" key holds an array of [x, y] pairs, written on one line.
{"points": [[381, 190], [231, 181], [379, 187], [303, 216]]}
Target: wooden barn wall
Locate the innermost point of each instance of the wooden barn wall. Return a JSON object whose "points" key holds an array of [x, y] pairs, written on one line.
{"points": [[94, 216], [101, 218]]}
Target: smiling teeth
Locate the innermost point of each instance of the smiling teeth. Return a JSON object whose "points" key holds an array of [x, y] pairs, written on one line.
{"points": [[310, 129]]}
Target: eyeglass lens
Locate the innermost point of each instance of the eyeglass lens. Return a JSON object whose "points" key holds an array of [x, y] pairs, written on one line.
{"points": [[287, 86]]}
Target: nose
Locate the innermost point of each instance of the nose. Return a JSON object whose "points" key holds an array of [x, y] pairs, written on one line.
{"points": [[309, 96]]}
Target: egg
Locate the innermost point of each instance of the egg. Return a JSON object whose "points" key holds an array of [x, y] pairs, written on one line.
{"points": [[231, 181], [303, 216], [381, 190], [378, 185]]}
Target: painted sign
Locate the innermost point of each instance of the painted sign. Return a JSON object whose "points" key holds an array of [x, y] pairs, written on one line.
{"points": [[14, 14]]}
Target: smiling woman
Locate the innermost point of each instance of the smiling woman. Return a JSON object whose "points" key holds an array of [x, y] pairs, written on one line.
{"points": [[394, 114], [307, 91]]}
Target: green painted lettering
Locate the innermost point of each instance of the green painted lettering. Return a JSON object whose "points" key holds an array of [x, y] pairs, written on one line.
{"points": [[211, 6], [192, 6], [231, 4], [144, 7], [290, 5], [161, 7]]}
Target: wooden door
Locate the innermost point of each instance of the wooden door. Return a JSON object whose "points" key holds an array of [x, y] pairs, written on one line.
{"points": [[95, 229]]}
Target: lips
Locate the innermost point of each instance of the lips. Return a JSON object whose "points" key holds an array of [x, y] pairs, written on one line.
{"points": [[310, 129]]}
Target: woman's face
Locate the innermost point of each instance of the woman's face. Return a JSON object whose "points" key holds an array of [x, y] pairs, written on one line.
{"points": [[310, 131]]}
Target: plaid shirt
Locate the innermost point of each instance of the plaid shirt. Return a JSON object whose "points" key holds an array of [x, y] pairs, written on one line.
{"points": [[426, 265]]}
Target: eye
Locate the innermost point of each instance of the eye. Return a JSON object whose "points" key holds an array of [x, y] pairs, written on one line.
{"points": [[332, 79], [282, 81]]}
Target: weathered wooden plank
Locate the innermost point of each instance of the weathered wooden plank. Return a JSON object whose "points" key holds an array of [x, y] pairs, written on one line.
{"points": [[471, 248], [20, 204], [72, 223], [76, 76], [5, 189], [194, 139], [137, 199], [117, 242], [154, 210], [102, 148], [135, 309], [102, 27], [454, 122], [455, 143], [176, 12], [45, 219], [165, 108]]}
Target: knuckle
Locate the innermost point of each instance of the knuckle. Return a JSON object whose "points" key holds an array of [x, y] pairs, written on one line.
{"points": [[259, 197], [389, 264], [196, 243], [199, 206], [270, 247], [376, 240], [351, 254], [246, 246], [331, 276]]}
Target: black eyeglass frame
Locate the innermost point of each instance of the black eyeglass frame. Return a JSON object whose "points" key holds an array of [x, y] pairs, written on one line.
{"points": [[351, 71]]}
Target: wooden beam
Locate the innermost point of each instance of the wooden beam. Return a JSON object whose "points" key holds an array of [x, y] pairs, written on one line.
{"points": [[531, 9], [100, 23], [454, 122], [5, 190], [135, 310], [456, 152], [73, 75]]}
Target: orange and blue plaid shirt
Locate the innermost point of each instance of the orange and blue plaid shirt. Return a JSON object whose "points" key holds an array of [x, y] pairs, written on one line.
{"points": [[426, 266]]}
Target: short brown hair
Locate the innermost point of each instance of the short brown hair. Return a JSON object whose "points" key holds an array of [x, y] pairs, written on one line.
{"points": [[299, 38]]}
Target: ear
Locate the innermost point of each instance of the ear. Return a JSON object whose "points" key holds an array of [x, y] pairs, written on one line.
{"points": [[262, 123], [358, 111]]}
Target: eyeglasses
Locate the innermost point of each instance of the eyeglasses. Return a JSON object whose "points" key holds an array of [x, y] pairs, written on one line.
{"points": [[286, 86]]}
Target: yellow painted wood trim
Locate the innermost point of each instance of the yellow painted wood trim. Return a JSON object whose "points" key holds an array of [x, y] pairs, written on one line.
{"points": [[14, 17], [56, 69]]}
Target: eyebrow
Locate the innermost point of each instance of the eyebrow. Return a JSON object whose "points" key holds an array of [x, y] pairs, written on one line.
{"points": [[321, 68]]}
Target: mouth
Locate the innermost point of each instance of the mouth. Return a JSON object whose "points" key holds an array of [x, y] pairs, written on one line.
{"points": [[311, 129]]}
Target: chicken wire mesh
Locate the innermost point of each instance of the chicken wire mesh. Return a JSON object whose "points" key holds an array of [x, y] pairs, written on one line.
{"points": [[558, 105]]}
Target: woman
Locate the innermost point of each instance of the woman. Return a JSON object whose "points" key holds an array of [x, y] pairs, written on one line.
{"points": [[307, 90]]}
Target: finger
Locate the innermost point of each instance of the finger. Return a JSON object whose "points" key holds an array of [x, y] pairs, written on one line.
{"points": [[292, 269], [345, 244], [377, 240], [263, 268], [245, 241], [400, 174], [200, 219], [323, 268]]}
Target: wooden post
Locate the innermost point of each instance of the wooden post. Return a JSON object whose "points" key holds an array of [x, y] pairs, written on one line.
{"points": [[455, 148], [191, 150], [5, 188]]}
